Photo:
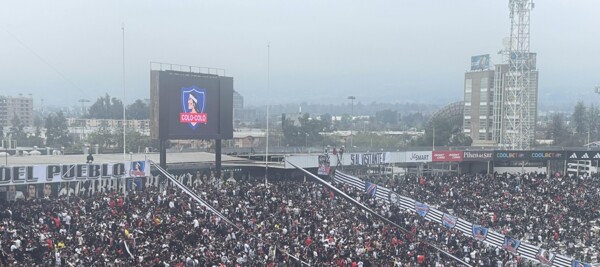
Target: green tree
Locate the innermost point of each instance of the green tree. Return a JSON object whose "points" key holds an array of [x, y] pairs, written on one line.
{"points": [[103, 138], [345, 123], [377, 142], [557, 130], [17, 129], [136, 142], [327, 121], [57, 131], [387, 117], [443, 130], [460, 139], [307, 133], [579, 120], [138, 110], [106, 108], [291, 133], [593, 118], [413, 120]]}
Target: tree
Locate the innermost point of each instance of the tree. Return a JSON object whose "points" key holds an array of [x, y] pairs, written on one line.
{"points": [[57, 131], [387, 117], [138, 110], [593, 117], [579, 120], [291, 133], [460, 139], [308, 133], [345, 122], [443, 130], [17, 129], [103, 138], [106, 108], [557, 130], [327, 121]]}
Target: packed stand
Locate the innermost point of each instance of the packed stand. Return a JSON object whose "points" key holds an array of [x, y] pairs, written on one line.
{"points": [[166, 228], [558, 213]]}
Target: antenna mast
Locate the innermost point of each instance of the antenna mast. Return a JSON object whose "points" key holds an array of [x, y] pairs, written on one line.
{"points": [[520, 96]]}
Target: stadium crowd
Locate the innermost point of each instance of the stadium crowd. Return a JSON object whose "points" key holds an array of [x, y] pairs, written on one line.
{"points": [[165, 227], [559, 213]]}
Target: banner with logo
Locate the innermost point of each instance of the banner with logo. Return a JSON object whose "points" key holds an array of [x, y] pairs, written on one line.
{"points": [[324, 165], [418, 156], [477, 155], [475, 231], [528, 155], [583, 155], [447, 156], [369, 158], [37, 174], [480, 62]]}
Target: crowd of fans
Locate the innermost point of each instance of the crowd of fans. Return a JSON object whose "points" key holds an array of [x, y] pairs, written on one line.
{"points": [[277, 225], [558, 213]]}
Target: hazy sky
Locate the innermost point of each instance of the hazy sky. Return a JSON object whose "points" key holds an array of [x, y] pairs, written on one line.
{"points": [[321, 51]]}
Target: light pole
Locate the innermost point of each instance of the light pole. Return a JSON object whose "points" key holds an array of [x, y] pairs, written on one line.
{"points": [[352, 98], [433, 139], [306, 140], [124, 118], [597, 91]]}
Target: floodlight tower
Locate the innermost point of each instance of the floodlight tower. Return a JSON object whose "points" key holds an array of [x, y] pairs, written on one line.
{"points": [[520, 97]]}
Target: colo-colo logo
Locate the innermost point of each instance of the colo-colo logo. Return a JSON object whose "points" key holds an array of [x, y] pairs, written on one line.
{"points": [[367, 159], [60, 173]]}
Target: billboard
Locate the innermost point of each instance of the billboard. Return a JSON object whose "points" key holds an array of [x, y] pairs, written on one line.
{"points": [[369, 158], [529, 59], [477, 155], [418, 156], [60, 173], [529, 155], [481, 62], [583, 155], [187, 105], [447, 156]]}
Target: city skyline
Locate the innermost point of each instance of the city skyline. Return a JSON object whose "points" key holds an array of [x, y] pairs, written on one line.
{"points": [[319, 52]]}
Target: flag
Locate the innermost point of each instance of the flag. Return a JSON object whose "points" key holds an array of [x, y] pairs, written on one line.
{"points": [[545, 256], [349, 180], [370, 189], [421, 208], [479, 232], [449, 221], [511, 244]]}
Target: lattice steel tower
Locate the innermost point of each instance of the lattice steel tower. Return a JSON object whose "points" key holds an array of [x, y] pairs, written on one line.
{"points": [[519, 93]]}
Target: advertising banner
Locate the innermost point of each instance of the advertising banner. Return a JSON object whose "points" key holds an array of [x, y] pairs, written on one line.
{"points": [[37, 174], [418, 156], [324, 165], [583, 155], [481, 62], [369, 158], [478, 155], [529, 155], [447, 156]]}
